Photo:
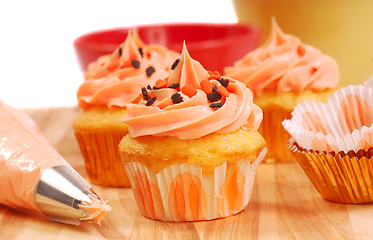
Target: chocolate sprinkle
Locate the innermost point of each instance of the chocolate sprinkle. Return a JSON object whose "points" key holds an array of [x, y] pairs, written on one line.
{"points": [[175, 64], [120, 52], [214, 96], [156, 88], [150, 70], [223, 82], [144, 93], [151, 101], [177, 98], [174, 86], [149, 87], [141, 52], [214, 88], [135, 63], [216, 105]]}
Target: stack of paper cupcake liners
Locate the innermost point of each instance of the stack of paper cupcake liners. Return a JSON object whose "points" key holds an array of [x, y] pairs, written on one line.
{"points": [[333, 143]]}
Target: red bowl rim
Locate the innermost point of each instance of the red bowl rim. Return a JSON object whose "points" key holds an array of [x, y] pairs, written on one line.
{"points": [[82, 43]]}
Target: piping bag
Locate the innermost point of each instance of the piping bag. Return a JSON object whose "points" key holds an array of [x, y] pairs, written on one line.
{"points": [[36, 179]]}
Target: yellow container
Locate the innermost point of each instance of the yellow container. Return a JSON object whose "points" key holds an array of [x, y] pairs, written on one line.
{"points": [[340, 28]]}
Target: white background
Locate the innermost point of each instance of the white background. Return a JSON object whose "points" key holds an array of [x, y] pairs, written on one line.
{"points": [[38, 66]]}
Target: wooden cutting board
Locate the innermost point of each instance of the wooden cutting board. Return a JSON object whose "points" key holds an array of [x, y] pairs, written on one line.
{"points": [[284, 205]]}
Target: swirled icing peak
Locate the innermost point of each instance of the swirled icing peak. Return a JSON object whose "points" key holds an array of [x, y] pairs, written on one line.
{"points": [[116, 79], [192, 102], [126, 54], [285, 64]]}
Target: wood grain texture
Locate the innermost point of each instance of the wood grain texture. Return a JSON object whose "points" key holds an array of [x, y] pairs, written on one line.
{"points": [[284, 205]]}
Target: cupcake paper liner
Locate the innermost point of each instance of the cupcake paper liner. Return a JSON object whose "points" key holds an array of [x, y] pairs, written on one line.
{"points": [[339, 177], [181, 192], [369, 82], [344, 123], [275, 135], [102, 160]]}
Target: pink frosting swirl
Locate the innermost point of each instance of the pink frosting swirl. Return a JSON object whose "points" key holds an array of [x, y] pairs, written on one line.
{"points": [[116, 79], [192, 104], [133, 48], [285, 64]]}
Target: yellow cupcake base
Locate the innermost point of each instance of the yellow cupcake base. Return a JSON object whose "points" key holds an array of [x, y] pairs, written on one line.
{"points": [[338, 177], [181, 192], [98, 131], [275, 135], [102, 160], [207, 152], [192, 180], [276, 108]]}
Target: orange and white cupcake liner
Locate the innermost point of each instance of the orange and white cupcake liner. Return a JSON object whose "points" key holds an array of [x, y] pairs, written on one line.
{"points": [[369, 82], [181, 192]]}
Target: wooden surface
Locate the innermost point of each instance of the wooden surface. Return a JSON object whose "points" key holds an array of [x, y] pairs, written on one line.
{"points": [[284, 206]]}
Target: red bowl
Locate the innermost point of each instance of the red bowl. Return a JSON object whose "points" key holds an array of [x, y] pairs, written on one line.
{"points": [[213, 45]]}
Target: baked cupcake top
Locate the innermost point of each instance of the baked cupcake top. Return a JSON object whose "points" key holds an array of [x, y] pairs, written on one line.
{"points": [[285, 64], [192, 102], [116, 79]]}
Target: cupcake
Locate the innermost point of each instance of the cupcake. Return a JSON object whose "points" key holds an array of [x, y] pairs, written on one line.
{"points": [[193, 146], [283, 73], [113, 81], [333, 144]]}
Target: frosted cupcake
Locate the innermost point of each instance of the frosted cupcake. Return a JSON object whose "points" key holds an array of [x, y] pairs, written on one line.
{"points": [[193, 146], [283, 73], [333, 144], [113, 81]]}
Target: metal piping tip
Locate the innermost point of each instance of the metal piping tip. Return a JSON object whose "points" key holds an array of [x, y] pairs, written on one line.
{"points": [[65, 196]]}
